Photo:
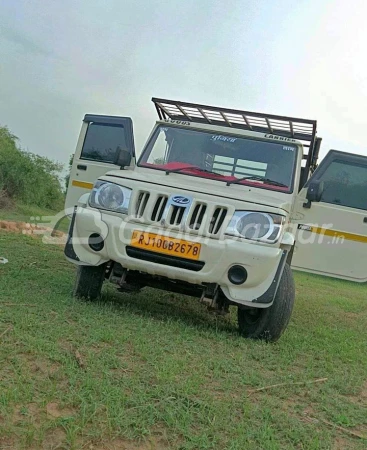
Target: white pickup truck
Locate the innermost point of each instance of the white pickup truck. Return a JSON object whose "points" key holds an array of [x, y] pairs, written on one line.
{"points": [[219, 205]]}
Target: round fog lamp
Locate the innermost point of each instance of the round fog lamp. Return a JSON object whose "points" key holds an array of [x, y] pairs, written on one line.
{"points": [[96, 242], [237, 274]]}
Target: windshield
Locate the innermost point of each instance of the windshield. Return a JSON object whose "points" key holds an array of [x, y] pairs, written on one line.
{"points": [[226, 158]]}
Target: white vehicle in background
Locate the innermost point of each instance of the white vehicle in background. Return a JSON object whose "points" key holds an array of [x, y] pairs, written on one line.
{"points": [[217, 206], [332, 230]]}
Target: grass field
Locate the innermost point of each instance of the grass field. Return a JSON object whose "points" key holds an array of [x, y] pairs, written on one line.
{"points": [[23, 213], [157, 371], [33, 214]]}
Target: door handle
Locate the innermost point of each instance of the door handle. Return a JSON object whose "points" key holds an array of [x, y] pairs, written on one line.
{"points": [[81, 167]]}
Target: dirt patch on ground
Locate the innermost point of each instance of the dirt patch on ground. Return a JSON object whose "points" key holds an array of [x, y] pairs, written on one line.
{"points": [[27, 413], [38, 365], [361, 397], [28, 228], [55, 439], [46, 233], [7, 443], [341, 443], [54, 411], [363, 393], [153, 443]]}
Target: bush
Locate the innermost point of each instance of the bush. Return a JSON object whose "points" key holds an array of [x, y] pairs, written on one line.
{"points": [[27, 177]]}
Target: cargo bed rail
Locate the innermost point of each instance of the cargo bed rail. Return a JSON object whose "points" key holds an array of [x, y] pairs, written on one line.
{"points": [[303, 130]]}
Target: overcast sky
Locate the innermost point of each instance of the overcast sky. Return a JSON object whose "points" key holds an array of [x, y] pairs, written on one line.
{"points": [[62, 59]]}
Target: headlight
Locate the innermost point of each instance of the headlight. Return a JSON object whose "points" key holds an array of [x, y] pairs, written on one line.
{"points": [[110, 196], [256, 226]]}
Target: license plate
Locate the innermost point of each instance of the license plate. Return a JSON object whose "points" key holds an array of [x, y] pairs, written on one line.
{"points": [[166, 245]]}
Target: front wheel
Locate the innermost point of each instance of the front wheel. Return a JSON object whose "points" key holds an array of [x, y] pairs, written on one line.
{"points": [[269, 323], [89, 281]]}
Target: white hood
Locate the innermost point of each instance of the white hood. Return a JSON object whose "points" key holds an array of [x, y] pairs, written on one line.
{"points": [[182, 183]]}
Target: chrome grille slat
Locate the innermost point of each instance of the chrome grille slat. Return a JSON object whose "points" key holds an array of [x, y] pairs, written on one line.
{"points": [[196, 217], [217, 220], [176, 214], [141, 204], [159, 208]]}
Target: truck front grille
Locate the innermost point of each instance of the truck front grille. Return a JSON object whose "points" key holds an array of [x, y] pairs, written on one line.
{"points": [[176, 214], [194, 216], [159, 208], [141, 204], [197, 216], [217, 220]]}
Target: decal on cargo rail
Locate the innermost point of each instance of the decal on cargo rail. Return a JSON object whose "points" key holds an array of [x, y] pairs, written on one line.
{"points": [[177, 122], [279, 138], [219, 137]]}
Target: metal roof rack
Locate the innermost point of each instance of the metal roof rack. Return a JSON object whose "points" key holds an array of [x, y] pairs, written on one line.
{"points": [[303, 130]]}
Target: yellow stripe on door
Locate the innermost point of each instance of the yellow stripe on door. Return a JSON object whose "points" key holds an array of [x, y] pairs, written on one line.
{"points": [[339, 234], [82, 184]]}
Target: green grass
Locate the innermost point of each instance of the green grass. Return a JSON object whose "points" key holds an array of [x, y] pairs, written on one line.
{"points": [[32, 214], [157, 371], [22, 213]]}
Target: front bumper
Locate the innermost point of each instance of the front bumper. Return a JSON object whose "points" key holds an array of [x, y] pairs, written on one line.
{"points": [[264, 264]]}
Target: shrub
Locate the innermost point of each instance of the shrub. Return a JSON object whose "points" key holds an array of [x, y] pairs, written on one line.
{"points": [[28, 177]]}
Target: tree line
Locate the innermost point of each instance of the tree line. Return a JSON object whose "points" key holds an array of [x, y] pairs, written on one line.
{"points": [[27, 177]]}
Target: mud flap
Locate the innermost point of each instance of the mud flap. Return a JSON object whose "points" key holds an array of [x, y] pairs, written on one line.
{"points": [[269, 295], [69, 248]]}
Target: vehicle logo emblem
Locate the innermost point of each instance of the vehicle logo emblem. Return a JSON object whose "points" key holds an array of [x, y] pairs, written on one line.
{"points": [[180, 200]]}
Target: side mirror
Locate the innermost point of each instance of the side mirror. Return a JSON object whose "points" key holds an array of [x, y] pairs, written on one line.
{"points": [[123, 158], [314, 192]]}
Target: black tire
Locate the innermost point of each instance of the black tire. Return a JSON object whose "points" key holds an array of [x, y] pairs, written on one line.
{"points": [[269, 323], [89, 281]]}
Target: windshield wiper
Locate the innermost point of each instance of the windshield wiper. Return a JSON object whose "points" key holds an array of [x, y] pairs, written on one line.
{"points": [[257, 178], [180, 169]]}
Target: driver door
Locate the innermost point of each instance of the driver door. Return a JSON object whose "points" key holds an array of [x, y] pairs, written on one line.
{"points": [[100, 141], [331, 235]]}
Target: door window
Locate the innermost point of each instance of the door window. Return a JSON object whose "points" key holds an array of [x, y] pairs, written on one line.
{"points": [[103, 142], [345, 184]]}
